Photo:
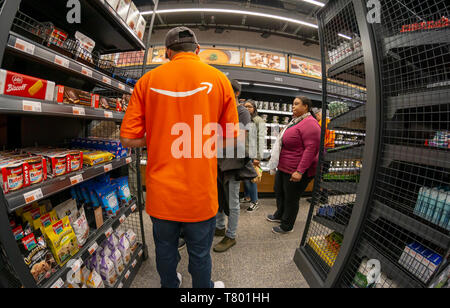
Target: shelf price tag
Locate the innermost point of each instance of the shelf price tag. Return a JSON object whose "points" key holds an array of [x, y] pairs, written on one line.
{"points": [[109, 232], [106, 80], [128, 160], [33, 195], [134, 263], [31, 106], [140, 253], [107, 167], [133, 208], [93, 248], [75, 265], [24, 46], [122, 219], [85, 71], [120, 286], [78, 111], [127, 274], [121, 86], [58, 284], [108, 114], [61, 61], [76, 179]]}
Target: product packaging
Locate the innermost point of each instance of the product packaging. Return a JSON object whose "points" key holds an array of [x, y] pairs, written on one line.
{"points": [[96, 157], [123, 8], [125, 249], [108, 271], [116, 258], [133, 16], [123, 191], [62, 240], [81, 228], [113, 3], [16, 84], [67, 208], [140, 28], [85, 47], [69, 95]]}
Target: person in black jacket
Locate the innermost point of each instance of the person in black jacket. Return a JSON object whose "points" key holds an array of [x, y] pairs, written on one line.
{"points": [[231, 172]]}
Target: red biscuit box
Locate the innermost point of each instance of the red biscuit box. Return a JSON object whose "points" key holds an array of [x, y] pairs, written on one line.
{"points": [[15, 84], [69, 95]]}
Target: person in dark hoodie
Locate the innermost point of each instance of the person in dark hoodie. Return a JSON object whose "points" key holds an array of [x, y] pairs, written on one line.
{"points": [[231, 172]]}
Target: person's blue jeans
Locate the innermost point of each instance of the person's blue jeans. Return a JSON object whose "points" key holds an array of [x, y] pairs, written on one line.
{"points": [[198, 236], [251, 190], [235, 210]]}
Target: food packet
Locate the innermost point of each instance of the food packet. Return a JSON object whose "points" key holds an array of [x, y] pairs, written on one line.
{"points": [[97, 157], [131, 237], [124, 248], [113, 242], [94, 280], [123, 190], [81, 228], [108, 271], [45, 220], [108, 199], [116, 258]]}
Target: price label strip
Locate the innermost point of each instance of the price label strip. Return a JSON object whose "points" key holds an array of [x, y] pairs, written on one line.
{"points": [[108, 114], [122, 219], [127, 274], [31, 106], [24, 46], [109, 232], [133, 208], [128, 160], [61, 61], [134, 263], [85, 71], [33, 195], [58, 284], [106, 80], [78, 111], [93, 248], [108, 167], [76, 179]]}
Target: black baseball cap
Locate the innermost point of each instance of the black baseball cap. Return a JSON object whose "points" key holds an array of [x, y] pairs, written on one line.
{"points": [[180, 35]]}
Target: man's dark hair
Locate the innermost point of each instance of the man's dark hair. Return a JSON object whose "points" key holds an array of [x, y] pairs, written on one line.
{"points": [[236, 86], [184, 47], [307, 101]]}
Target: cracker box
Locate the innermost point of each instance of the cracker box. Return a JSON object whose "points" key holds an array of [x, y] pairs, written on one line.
{"points": [[140, 28], [133, 16], [15, 84], [122, 9]]}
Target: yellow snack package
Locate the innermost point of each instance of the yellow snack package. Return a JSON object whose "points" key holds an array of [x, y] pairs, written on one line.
{"points": [[96, 157], [62, 240], [33, 214], [45, 220]]}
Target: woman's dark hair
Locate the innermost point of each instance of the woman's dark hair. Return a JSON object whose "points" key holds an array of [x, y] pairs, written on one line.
{"points": [[306, 101], [252, 102]]}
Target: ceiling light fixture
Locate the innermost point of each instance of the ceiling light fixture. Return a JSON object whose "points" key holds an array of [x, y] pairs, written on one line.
{"points": [[345, 36], [315, 2], [273, 86], [230, 11], [244, 83]]}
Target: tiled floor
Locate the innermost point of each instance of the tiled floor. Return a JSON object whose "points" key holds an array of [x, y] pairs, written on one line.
{"points": [[260, 258]]}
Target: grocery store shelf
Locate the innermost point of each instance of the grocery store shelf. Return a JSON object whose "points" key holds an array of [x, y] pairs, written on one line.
{"points": [[351, 133], [417, 38], [351, 151], [332, 225], [343, 187], [411, 224], [52, 186], [18, 105], [31, 50], [417, 155], [390, 267], [275, 112], [275, 125], [419, 99], [346, 64], [99, 22], [345, 118], [94, 241], [130, 271]]}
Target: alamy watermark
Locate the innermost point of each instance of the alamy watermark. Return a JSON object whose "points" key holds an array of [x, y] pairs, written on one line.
{"points": [[374, 13], [74, 14]]}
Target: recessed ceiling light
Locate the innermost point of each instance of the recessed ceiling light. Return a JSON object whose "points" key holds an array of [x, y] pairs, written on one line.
{"points": [[315, 2]]}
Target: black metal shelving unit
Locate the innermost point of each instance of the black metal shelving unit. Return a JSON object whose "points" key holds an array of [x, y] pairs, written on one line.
{"points": [[111, 35], [405, 153]]}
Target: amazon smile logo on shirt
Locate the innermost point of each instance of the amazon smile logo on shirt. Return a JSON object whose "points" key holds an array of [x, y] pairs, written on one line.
{"points": [[207, 86]]}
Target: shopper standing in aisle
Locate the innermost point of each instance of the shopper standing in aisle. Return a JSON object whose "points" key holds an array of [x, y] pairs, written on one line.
{"points": [[257, 140], [168, 103], [234, 185], [295, 154]]}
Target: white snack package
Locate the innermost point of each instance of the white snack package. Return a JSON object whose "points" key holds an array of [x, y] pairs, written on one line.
{"points": [[125, 250], [81, 228], [108, 271], [116, 258], [131, 237]]}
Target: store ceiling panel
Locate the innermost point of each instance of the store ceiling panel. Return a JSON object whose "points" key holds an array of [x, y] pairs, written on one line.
{"points": [[297, 10]]}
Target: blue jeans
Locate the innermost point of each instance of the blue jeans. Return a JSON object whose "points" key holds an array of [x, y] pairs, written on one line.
{"points": [[198, 236], [235, 210], [251, 190]]}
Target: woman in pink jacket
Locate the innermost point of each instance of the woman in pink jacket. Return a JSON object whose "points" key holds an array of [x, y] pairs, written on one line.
{"points": [[295, 155]]}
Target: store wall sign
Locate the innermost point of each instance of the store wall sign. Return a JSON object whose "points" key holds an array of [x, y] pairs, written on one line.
{"points": [[74, 14], [438, 24]]}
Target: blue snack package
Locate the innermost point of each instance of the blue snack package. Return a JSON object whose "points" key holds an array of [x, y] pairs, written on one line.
{"points": [[123, 190], [84, 192], [103, 179], [108, 200], [93, 195]]}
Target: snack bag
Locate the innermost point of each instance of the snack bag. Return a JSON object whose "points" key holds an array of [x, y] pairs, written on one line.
{"points": [[113, 242], [131, 237], [124, 248], [37, 256], [62, 240], [33, 214], [116, 258], [67, 208], [96, 157], [108, 271], [45, 220], [108, 199], [123, 190], [94, 280], [81, 228]]}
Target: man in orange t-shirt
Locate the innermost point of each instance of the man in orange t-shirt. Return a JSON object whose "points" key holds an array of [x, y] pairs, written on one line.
{"points": [[178, 111]]}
